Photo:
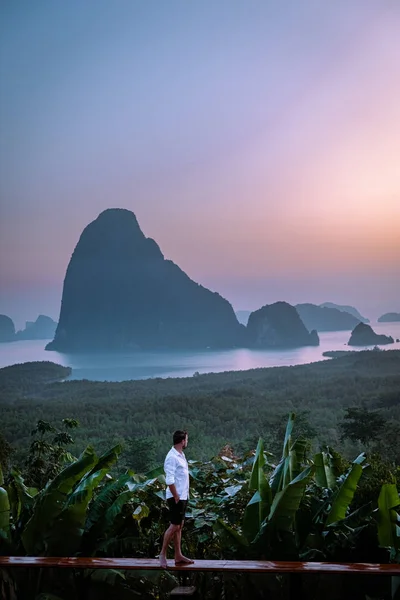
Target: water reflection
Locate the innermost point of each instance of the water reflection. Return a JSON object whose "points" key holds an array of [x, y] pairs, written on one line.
{"points": [[142, 365]]}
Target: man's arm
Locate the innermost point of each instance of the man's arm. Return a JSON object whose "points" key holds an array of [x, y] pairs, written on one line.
{"points": [[170, 468], [174, 492]]}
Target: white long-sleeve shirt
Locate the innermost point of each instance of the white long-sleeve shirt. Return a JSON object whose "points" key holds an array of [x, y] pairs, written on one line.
{"points": [[177, 472]]}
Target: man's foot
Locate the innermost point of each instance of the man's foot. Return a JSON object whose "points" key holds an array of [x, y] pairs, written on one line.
{"points": [[163, 561], [183, 560]]}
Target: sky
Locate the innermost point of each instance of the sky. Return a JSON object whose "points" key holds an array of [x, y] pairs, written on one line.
{"points": [[257, 141]]}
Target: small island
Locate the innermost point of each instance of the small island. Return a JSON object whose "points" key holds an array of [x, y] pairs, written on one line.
{"points": [[364, 335], [390, 317], [338, 353], [279, 325]]}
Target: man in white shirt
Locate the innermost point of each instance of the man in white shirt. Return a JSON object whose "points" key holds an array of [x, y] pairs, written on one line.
{"points": [[177, 480]]}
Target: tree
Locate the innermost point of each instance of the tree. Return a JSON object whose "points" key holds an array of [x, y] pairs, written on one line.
{"points": [[140, 454], [361, 425], [6, 451], [48, 452]]}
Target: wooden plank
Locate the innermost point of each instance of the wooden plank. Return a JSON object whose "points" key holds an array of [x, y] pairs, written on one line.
{"points": [[183, 590], [250, 566]]}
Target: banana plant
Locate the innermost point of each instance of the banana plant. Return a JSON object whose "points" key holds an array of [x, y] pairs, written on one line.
{"points": [[65, 536], [388, 522], [327, 468], [4, 509], [345, 491], [273, 506], [50, 502], [258, 508], [388, 518]]}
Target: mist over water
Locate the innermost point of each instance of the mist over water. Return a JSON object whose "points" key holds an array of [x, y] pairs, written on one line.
{"points": [[144, 365]]}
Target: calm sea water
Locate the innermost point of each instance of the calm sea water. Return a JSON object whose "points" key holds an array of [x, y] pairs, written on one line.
{"points": [[143, 365]]}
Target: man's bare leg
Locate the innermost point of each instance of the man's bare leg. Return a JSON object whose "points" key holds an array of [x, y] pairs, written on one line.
{"points": [[168, 535], [179, 558]]}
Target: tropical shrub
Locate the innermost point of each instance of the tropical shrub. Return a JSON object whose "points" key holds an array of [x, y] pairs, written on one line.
{"points": [[242, 507]]}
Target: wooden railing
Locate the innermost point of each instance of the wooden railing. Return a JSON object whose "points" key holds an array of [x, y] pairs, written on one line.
{"points": [[249, 566], [294, 570]]}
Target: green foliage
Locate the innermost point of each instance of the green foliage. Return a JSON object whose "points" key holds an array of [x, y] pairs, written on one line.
{"points": [[388, 517], [235, 407], [6, 452], [51, 501], [361, 425], [4, 508], [140, 454], [260, 504], [327, 468], [48, 453], [345, 492], [85, 511], [243, 505]]}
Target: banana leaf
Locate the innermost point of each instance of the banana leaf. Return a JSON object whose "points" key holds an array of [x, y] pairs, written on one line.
{"points": [[345, 494], [110, 502], [65, 536], [288, 434], [297, 456], [325, 475], [21, 497], [255, 513], [258, 507], [105, 461], [287, 501], [388, 518], [359, 516], [156, 472], [115, 509], [282, 470], [51, 501], [4, 512], [104, 500]]}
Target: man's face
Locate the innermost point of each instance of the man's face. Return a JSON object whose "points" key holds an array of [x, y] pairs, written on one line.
{"points": [[185, 442]]}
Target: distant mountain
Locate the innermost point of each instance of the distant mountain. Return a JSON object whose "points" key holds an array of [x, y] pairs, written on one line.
{"points": [[345, 308], [389, 318], [7, 329], [278, 326], [43, 328], [243, 316], [120, 293], [325, 319], [364, 335]]}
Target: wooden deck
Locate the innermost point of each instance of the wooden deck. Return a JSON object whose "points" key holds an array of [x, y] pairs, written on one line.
{"points": [[254, 566]]}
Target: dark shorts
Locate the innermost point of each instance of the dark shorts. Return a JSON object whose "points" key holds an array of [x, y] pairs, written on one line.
{"points": [[176, 510]]}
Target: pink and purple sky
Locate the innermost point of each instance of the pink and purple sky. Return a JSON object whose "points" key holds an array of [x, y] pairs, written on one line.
{"points": [[257, 141]]}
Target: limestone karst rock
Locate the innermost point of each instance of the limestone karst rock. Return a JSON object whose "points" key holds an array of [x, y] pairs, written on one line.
{"points": [[7, 329], [348, 309], [323, 318], [42, 329], [364, 335], [278, 326], [120, 293]]}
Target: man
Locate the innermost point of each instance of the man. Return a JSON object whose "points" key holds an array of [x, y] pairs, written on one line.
{"points": [[177, 480]]}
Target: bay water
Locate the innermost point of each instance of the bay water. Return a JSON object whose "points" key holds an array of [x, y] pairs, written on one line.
{"points": [[143, 365]]}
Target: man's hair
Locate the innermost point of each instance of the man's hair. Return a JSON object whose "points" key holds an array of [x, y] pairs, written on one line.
{"points": [[179, 436]]}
